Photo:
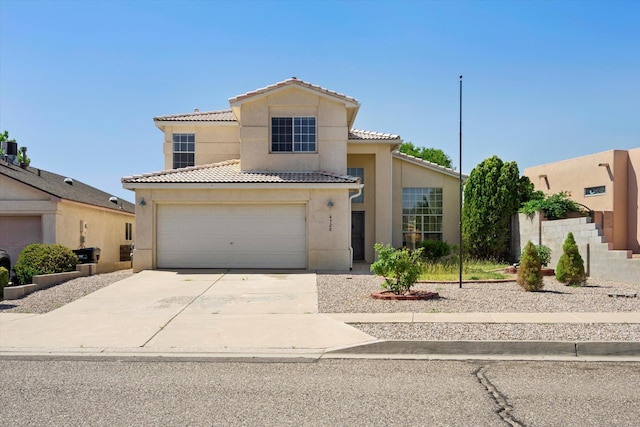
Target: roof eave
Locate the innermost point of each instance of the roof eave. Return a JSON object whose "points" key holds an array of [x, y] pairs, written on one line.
{"points": [[241, 185], [430, 165], [161, 123], [236, 101]]}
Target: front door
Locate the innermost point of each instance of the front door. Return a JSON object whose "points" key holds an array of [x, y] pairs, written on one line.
{"points": [[357, 235]]}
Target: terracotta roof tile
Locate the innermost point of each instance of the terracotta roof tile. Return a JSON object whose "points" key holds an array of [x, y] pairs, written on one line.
{"points": [[199, 116], [229, 172], [355, 134], [293, 80]]}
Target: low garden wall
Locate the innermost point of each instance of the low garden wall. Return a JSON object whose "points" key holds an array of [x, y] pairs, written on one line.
{"points": [[43, 281], [600, 261]]}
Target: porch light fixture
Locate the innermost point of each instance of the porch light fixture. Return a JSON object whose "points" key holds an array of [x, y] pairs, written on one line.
{"points": [[142, 202], [330, 203]]}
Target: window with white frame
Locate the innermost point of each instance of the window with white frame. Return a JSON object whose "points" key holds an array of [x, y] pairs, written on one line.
{"points": [[358, 173], [293, 134], [421, 215], [184, 147]]}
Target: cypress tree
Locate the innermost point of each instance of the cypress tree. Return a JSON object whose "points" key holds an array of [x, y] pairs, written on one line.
{"points": [[570, 268], [530, 269]]}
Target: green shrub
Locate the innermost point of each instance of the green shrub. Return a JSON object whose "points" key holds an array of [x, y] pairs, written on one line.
{"points": [[400, 268], [554, 206], [544, 252], [433, 250], [4, 279], [570, 269], [530, 269], [42, 258]]}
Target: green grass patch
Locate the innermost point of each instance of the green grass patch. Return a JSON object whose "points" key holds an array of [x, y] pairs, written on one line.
{"points": [[471, 270]]}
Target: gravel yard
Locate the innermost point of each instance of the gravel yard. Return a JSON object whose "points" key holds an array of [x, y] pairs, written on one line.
{"points": [[340, 293], [51, 298], [350, 293]]}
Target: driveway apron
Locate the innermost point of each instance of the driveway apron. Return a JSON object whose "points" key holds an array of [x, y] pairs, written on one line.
{"points": [[190, 311]]}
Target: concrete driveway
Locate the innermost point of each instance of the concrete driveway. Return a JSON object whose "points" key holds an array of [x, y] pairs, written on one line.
{"points": [[187, 311]]}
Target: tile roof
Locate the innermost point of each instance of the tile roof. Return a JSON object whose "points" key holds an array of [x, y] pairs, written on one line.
{"points": [[427, 164], [229, 173], [55, 185], [296, 81], [199, 116], [355, 134]]}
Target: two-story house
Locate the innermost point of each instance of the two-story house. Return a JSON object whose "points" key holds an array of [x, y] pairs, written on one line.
{"points": [[282, 180]]}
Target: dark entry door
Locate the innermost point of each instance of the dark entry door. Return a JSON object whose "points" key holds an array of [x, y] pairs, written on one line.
{"points": [[357, 235]]}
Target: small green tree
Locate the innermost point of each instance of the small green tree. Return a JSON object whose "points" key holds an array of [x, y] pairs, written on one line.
{"points": [[400, 268], [433, 155], [544, 252], [570, 268], [530, 269]]}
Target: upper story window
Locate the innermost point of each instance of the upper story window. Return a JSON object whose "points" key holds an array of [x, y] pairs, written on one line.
{"points": [[293, 134], [359, 173], [184, 147]]}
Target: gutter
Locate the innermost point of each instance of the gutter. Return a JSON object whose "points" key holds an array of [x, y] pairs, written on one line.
{"points": [[353, 196]]}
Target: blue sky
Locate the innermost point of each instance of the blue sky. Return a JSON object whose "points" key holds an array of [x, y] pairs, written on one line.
{"points": [[80, 81]]}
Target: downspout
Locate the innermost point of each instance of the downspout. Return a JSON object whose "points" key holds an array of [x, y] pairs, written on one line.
{"points": [[353, 196]]}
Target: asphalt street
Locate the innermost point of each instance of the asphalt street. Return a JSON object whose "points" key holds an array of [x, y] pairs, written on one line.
{"points": [[319, 393]]}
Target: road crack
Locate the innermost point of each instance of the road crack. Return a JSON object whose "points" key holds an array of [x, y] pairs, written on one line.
{"points": [[505, 408]]}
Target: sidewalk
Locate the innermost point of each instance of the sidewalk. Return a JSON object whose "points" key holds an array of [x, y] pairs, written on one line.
{"points": [[248, 314]]}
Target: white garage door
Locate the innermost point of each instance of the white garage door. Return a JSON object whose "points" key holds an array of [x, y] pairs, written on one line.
{"points": [[231, 236], [16, 232]]}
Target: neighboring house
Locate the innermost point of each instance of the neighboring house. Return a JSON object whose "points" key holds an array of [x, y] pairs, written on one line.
{"points": [[607, 184], [282, 180], [37, 206]]}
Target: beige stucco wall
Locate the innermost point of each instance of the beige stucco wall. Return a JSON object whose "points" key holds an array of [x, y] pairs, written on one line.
{"points": [[405, 175], [379, 155], [328, 233], [331, 128], [633, 201], [368, 163], [574, 175], [214, 143], [105, 229]]}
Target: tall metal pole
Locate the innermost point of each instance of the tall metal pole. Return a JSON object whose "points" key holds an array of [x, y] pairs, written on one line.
{"points": [[460, 171]]}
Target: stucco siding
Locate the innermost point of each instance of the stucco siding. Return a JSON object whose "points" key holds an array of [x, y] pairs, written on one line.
{"points": [[367, 162], [331, 131], [101, 228], [615, 171], [633, 201], [214, 143]]}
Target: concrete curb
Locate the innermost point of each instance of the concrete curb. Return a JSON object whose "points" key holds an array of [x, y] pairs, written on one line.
{"points": [[494, 348], [621, 351]]}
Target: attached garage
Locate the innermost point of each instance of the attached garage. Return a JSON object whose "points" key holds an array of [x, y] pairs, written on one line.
{"points": [[16, 232], [231, 236]]}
